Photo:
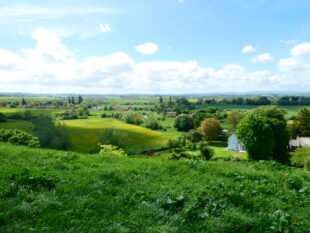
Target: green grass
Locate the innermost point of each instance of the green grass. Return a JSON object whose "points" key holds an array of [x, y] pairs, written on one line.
{"points": [[26, 126], [85, 134], [54, 191], [34, 111]]}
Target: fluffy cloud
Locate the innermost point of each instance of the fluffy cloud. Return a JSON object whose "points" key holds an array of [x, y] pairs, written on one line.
{"points": [[105, 28], [263, 58], [51, 67], [248, 49], [299, 62], [147, 48]]}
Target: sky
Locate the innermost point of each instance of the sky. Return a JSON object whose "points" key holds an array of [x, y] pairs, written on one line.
{"points": [[154, 46]]}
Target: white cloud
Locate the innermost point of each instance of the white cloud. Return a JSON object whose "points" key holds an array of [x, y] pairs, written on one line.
{"points": [[105, 28], [51, 68], [288, 42], [263, 58], [248, 49], [147, 48], [301, 50], [299, 62]]}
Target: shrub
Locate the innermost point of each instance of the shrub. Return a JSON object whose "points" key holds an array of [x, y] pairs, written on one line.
{"points": [[113, 137], [301, 157], [132, 118], [112, 150], [205, 151], [19, 137]]}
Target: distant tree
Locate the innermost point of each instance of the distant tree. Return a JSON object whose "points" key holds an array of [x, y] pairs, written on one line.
{"points": [[2, 117], [199, 101], [69, 100], [72, 100], [27, 115], [265, 134], [132, 117], [211, 128], [24, 102], [170, 101], [161, 100], [198, 118], [113, 137], [184, 123], [233, 118], [80, 99], [152, 122], [301, 124]]}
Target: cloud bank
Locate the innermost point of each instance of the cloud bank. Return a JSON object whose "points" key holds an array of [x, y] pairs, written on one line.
{"points": [[50, 67]]}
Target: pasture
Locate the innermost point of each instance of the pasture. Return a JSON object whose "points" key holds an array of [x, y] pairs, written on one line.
{"points": [[85, 134], [56, 191], [26, 126]]}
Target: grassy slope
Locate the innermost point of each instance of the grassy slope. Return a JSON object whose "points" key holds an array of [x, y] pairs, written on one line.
{"points": [[70, 192], [85, 134], [26, 126]]}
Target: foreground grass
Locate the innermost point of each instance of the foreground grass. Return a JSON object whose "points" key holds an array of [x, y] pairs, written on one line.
{"points": [[54, 191], [85, 133]]}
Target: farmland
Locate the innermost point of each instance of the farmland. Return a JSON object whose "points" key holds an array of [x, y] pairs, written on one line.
{"points": [[85, 135]]}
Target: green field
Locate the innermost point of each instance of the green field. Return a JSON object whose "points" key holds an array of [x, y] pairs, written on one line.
{"points": [[54, 191], [85, 134], [26, 126], [34, 111]]}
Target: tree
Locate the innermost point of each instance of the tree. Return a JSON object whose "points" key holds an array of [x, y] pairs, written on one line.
{"points": [[2, 117], [194, 136], [24, 102], [184, 123], [265, 134], [132, 118], [152, 122], [211, 128], [69, 100], [233, 118], [161, 100], [198, 118], [72, 100], [301, 125], [27, 115], [80, 99], [113, 137]]}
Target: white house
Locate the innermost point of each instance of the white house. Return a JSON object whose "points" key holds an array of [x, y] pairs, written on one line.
{"points": [[234, 144], [300, 142]]}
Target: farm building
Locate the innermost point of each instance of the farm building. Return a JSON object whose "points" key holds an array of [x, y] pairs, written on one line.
{"points": [[300, 142], [234, 144]]}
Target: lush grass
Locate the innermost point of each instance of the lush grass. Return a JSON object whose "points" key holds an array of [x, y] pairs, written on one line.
{"points": [[85, 134], [55, 191], [34, 111], [26, 126]]}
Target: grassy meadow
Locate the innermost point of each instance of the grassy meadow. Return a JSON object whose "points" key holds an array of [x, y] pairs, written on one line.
{"points": [[85, 135], [55, 191]]}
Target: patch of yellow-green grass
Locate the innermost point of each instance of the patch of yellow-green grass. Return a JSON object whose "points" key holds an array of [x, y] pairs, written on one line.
{"points": [[221, 151], [85, 133], [34, 111], [26, 126]]}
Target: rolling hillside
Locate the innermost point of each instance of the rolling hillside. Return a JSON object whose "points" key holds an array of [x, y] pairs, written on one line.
{"points": [[55, 191]]}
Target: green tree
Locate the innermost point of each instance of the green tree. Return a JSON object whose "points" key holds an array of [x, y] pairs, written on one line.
{"points": [[27, 115], [80, 99], [113, 137], [233, 118], [184, 123], [2, 117], [132, 117], [194, 136], [24, 102], [161, 100], [211, 128], [69, 100], [72, 100], [265, 134], [301, 125]]}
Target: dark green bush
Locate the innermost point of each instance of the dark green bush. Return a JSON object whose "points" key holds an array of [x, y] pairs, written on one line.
{"points": [[205, 151], [19, 137]]}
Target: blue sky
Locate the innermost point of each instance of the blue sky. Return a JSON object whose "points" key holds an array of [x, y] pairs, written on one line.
{"points": [[162, 46]]}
